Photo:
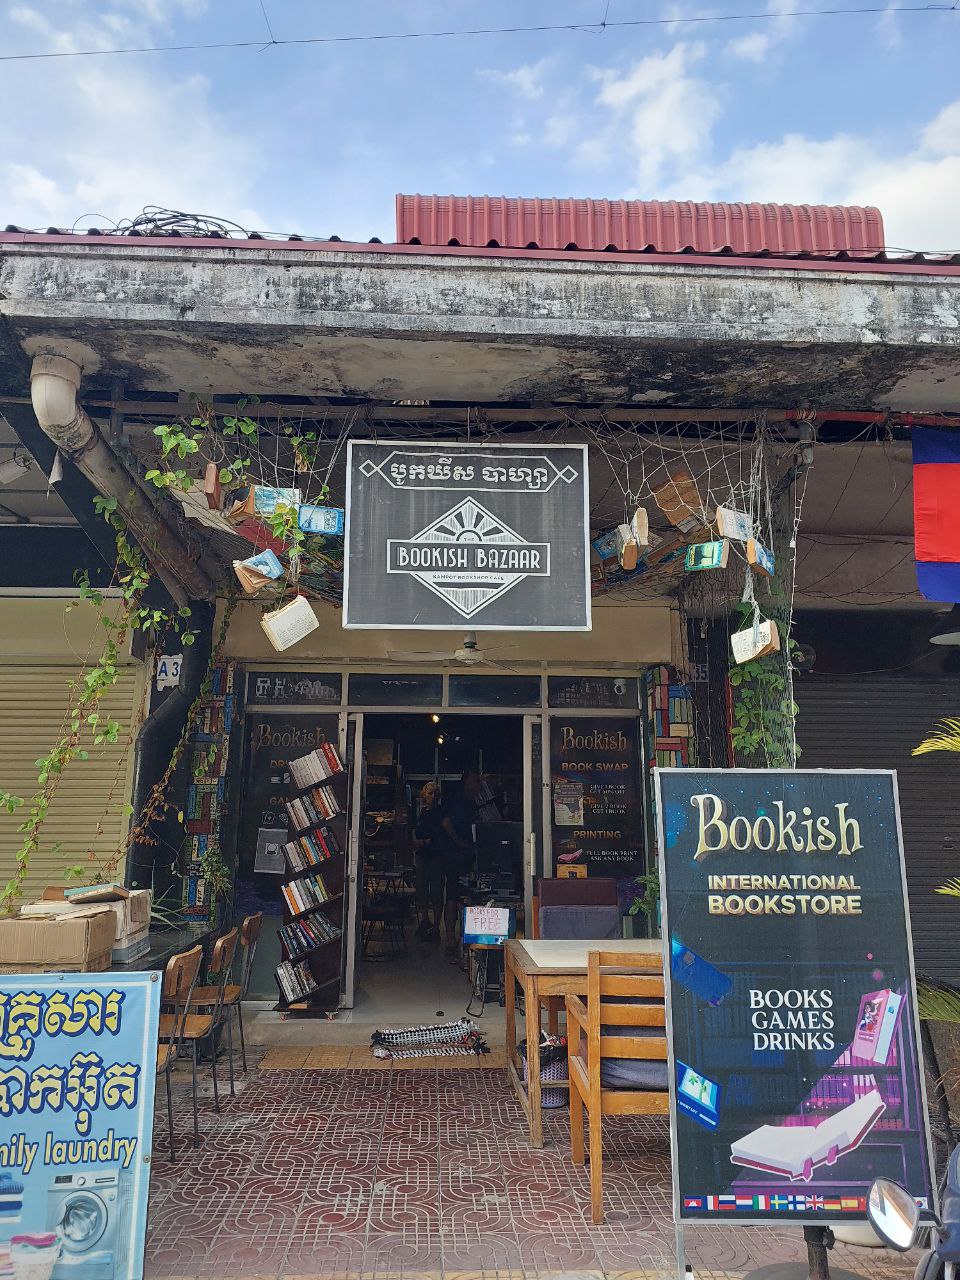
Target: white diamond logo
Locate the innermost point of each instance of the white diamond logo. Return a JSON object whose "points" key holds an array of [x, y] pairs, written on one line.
{"points": [[468, 557]]}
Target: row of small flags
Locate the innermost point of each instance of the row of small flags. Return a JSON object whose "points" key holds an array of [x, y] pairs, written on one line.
{"points": [[776, 1204], [780, 1204]]}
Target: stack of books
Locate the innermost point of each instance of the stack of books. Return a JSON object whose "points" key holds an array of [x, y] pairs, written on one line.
{"points": [[296, 981], [310, 848], [312, 808], [318, 766], [306, 894], [302, 936]]}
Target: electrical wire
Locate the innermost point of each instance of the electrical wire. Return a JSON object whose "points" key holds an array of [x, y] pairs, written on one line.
{"points": [[588, 28]]}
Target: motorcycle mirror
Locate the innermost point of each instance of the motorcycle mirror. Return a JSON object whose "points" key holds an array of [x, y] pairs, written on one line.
{"points": [[893, 1214]]}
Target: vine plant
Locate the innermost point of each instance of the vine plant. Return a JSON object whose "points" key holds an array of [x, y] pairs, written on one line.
{"points": [[85, 725]]}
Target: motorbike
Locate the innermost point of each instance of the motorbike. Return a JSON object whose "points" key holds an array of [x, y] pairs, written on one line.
{"points": [[894, 1215]]}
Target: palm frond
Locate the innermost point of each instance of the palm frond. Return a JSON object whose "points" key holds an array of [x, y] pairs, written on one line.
{"points": [[951, 887], [938, 1004], [947, 738]]}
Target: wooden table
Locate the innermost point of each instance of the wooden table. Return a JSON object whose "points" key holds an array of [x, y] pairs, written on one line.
{"points": [[544, 967]]}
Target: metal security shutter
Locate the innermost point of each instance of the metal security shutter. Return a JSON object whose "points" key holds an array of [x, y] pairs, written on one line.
{"points": [[875, 723], [33, 701]]}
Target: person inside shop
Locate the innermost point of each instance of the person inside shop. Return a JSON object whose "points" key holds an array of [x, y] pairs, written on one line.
{"points": [[457, 826], [430, 845]]}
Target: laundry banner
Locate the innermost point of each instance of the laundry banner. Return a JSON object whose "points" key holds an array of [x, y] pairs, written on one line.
{"points": [[796, 1077], [78, 1055], [448, 537]]}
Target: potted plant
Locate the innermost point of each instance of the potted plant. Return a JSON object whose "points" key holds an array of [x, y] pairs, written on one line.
{"points": [[644, 895]]}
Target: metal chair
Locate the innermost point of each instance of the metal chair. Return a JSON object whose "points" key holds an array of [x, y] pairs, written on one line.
{"points": [[235, 993], [179, 979]]}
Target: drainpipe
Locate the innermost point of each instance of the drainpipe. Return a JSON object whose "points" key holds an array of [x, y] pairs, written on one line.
{"points": [[158, 735], [54, 383]]}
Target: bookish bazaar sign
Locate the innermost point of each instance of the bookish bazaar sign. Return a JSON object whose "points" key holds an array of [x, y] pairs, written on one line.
{"points": [[77, 1074], [455, 537], [797, 1078]]}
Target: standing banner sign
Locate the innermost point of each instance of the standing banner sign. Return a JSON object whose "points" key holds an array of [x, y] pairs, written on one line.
{"points": [[78, 1056], [792, 1013], [448, 536]]}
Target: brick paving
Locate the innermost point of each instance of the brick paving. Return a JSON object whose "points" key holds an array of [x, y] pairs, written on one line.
{"points": [[425, 1173]]}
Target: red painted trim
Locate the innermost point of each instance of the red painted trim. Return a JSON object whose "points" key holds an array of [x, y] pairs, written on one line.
{"points": [[724, 261]]}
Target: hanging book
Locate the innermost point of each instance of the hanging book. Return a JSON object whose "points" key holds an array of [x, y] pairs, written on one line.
{"points": [[640, 527], [759, 558], [325, 520], [679, 500], [755, 642], [292, 622], [627, 550], [258, 571], [212, 489], [707, 555], [734, 524], [605, 544]]}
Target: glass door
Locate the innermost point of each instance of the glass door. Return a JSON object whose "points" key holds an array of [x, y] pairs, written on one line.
{"points": [[352, 737], [535, 796]]}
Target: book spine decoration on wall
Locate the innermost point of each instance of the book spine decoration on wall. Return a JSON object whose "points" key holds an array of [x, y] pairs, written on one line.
{"points": [[312, 891], [208, 753], [669, 734]]}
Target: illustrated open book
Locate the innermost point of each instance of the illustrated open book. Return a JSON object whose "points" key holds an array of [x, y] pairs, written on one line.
{"points": [[794, 1151]]}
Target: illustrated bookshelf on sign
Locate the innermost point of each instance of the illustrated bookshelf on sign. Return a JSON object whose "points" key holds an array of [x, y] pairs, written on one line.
{"points": [[312, 892]]}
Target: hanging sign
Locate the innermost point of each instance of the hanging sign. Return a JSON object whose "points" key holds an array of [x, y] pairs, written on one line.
{"points": [[448, 537], [794, 1031], [78, 1053]]}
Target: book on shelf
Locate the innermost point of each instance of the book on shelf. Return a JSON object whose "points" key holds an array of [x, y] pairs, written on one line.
{"points": [[305, 894], [314, 807], [295, 979], [317, 766], [301, 936]]}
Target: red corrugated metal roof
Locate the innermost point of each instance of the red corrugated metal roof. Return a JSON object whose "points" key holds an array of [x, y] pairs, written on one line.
{"points": [[668, 226]]}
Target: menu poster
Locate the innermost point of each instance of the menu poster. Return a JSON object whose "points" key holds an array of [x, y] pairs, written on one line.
{"points": [[597, 802]]}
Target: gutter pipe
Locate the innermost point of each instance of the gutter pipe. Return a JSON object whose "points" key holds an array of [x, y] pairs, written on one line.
{"points": [[153, 748], [54, 384]]}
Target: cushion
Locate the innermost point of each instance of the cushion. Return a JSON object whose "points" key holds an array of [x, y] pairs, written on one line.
{"points": [[585, 923], [633, 1073]]}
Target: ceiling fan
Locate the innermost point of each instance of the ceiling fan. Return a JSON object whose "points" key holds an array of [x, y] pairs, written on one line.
{"points": [[470, 653]]}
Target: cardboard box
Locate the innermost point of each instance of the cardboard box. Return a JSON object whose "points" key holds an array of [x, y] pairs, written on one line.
{"points": [[131, 908], [74, 941]]}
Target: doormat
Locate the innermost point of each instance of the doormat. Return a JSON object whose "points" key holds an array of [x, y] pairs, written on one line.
{"points": [[332, 1057]]}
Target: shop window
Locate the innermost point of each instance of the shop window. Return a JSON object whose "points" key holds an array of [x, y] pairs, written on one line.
{"points": [[395, 691], [494, 691]]}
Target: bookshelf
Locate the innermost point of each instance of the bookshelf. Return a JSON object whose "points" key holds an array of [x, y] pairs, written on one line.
{"points": [[209, 753], [311, 936]]}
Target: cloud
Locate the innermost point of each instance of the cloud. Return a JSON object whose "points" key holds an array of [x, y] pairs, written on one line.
{"points": [[752, 48], [526, 80], [108, 137], [916, 189], [664, 111]]}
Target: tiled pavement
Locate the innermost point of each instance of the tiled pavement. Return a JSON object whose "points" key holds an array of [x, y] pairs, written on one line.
{"points": [[422, 1173]]}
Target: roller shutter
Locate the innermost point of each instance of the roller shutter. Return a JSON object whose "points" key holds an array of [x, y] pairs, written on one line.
{"points": [[875, 724], [92, 793]]}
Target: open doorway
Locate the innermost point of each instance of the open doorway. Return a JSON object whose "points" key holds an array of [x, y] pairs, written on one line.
{"points": [[442, 825]]}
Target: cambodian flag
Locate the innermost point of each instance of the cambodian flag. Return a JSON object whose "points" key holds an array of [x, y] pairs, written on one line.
{"points": [[936, 511]]}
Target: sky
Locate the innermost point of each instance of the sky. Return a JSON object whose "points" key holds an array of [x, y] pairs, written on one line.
{"points": [[318, 138]]}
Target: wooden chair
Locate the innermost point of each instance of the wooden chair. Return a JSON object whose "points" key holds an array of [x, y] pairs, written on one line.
{"points": [[623, 990], [234, 993], [179, 979], [204, 1026]]}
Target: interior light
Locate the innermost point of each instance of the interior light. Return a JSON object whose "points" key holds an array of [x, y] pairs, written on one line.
{"points": [[440, 739], [435, 718]]}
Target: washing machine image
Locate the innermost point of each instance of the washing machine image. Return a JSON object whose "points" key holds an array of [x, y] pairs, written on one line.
{"points": [[89, 1209]]}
